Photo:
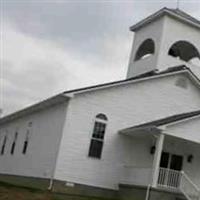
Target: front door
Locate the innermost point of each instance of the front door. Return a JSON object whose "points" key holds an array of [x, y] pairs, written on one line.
{"points": [[164, 162], [176, 162], [170, 167]]}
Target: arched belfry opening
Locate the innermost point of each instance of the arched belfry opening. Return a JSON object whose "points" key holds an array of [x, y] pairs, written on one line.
{"points": [[185, 51], [146, 49]]}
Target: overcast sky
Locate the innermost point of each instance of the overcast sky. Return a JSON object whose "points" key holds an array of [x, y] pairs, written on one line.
{"points": [[50, 46]]}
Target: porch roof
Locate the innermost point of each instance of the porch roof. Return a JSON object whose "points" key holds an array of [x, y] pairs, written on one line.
{"points": [[154, 125]]}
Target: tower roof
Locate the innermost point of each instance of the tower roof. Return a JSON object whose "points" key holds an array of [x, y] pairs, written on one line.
{"points": [[175, 13]]}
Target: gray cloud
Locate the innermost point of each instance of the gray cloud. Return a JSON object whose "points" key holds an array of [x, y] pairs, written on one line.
{"points": [[50, 46], [34, 68], [81, 24]]}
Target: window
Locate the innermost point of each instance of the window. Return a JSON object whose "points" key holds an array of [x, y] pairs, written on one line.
{"points": [[97, 140], [26, 143], [4, 145], [13, 144], [146, 49], [185, 51]]}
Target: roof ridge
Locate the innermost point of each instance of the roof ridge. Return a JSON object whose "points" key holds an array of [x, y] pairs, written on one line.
{"points": [[144, 75], [178, 13], [183, 13]]}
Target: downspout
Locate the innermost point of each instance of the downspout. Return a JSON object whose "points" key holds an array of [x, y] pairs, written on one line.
{"points": [[148, 192], [50, 184], [51, 180]]}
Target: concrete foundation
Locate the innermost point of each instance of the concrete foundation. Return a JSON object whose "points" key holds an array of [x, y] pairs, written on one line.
{"points": [[84, 190]]}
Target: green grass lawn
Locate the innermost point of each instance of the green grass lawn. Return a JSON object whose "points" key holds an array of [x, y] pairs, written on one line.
{"points": [[10, 192]]}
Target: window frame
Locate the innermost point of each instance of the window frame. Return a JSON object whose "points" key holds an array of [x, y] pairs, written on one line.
{"points": [[103, 121]]}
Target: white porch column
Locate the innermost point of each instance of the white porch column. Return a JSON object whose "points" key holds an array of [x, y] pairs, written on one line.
{"points": [[157, 158]]}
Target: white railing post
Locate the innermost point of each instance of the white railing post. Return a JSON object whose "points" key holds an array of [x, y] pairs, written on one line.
{"points": [[182, 173]]}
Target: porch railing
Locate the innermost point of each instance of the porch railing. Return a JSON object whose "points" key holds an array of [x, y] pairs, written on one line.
{"points": [[188, 188], [179, 181], [169, 178]]}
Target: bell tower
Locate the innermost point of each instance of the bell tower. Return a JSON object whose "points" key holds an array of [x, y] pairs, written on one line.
{"points": [[168, 38]]}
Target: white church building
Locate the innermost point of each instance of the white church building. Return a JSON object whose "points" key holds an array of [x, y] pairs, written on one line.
{"points": [[137, 138]]}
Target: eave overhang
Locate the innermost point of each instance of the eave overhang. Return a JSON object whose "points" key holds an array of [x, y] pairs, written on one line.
{"points": [[61, 98]]}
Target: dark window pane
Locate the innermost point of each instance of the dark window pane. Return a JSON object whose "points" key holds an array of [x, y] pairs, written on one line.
{"points": [[95, 148], [164, 160], [12, 148], [176, 162], [25, 147], [2, 149], [99, 130]]}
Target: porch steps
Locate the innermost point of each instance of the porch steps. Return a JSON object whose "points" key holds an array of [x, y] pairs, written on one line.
{"points": [[178, 180], [188, 188], [193, 197]]}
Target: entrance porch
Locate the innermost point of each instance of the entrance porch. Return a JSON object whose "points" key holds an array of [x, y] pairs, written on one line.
{"points": [[173, 163]]}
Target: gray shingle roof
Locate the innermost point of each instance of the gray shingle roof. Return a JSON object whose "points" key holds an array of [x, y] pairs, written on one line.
{"points": [[165, 121]]}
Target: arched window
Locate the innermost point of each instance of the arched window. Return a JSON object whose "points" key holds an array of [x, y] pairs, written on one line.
{"points": [[14, 143], [97, 140], [146, 49], [184, 51]]}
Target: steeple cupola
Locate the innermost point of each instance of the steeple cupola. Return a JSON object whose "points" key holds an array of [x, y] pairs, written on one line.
{"points": [[168, 38]]}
